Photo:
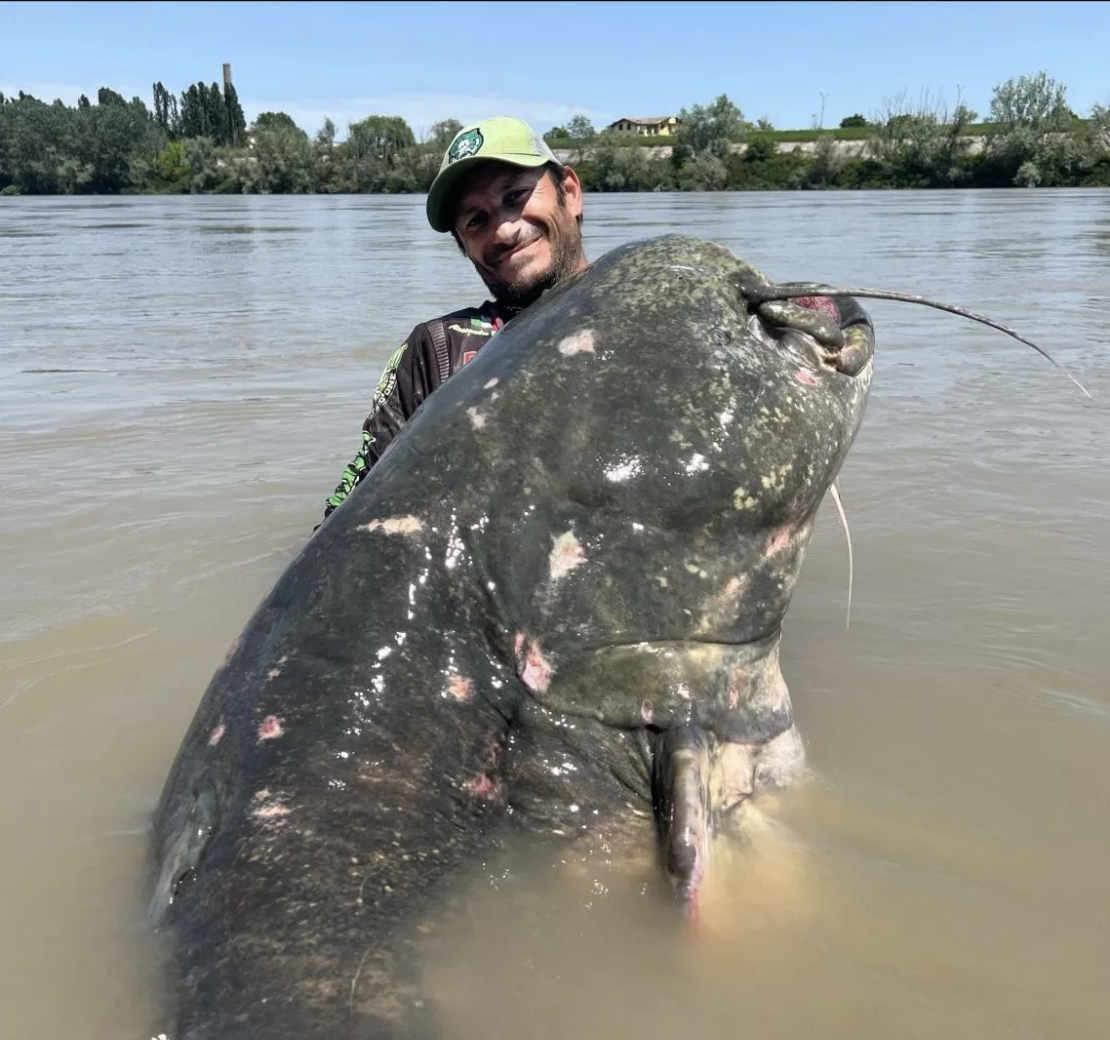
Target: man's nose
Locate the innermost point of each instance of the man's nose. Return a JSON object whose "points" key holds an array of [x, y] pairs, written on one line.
{"points": [[506, 227]]}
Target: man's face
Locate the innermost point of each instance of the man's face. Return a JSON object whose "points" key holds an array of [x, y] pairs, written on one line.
{"points": [[517, 232]]}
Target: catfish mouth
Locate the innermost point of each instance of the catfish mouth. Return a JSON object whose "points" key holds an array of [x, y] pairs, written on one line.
{"points": [[811, 327]]}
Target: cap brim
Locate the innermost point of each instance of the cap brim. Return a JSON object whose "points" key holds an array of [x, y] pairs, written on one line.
{"points": [[441, 194]]}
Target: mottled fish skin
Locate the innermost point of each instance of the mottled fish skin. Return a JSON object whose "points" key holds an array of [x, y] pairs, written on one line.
{"points": [[587, 537]]}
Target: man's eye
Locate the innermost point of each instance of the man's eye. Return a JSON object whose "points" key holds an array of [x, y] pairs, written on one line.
{"points": [[516, 197]]}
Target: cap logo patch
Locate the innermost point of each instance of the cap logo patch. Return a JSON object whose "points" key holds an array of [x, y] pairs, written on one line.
{"points": [[465, 145]]}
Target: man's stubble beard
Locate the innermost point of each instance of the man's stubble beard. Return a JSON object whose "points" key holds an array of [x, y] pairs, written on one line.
{"points": [[566, 252]]}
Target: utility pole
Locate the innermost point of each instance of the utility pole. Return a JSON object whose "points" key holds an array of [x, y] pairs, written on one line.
{"points": [[823, 97]]}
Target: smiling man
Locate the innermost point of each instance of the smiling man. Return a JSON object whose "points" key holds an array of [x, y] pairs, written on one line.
{"points": [[516, 213]]}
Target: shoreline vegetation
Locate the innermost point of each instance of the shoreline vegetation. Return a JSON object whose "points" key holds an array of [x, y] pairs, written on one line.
{"points": [[198, 142]]}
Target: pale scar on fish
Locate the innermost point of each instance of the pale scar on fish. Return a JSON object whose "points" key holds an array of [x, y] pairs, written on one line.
{"points": [[395, 525], [566, 554], [579, 343]]}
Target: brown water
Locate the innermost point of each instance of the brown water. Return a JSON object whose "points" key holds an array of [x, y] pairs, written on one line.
{"points": [[182, 381]]}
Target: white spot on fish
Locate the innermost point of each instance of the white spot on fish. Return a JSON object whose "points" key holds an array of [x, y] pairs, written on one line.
{"points": [[623, 470], [566, 554], [742, 500], [696, 464], [273, 673], [491, 384], [395, 525], [217, 735], [454, 550], [476, 417], [579, 343]]}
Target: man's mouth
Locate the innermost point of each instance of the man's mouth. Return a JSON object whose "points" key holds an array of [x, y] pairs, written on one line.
{"points": [[516, 253]]}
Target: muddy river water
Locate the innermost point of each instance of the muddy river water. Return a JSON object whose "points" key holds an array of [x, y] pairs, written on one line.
{"points": [[182, 381]]}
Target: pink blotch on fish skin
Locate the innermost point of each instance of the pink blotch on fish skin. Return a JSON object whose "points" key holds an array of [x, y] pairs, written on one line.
{"points": [[534, 669], [270, 728], [579, 343], [779, 539], [647, 711], [483, 787], [491, 384], [460, 689], [273, 673], [805, 376], [217, 735]]}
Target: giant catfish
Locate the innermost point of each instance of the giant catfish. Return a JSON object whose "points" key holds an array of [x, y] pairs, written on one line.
{"points": [[555, 606]]}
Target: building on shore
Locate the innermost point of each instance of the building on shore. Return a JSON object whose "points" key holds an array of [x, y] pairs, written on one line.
{"points": [[646, 126]]}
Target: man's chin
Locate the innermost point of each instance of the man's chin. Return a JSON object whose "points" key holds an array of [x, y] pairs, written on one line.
{"points": [[521, 291]]}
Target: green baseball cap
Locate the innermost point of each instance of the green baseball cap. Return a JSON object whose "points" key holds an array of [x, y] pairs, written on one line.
{"points": [[502, 138]]}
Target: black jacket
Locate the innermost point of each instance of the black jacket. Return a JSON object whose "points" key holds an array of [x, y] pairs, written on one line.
{"points": [[433, 351]]}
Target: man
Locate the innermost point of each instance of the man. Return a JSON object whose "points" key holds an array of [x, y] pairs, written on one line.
{"points": [[516, 213]]}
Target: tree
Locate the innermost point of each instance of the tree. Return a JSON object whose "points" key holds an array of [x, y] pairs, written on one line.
{"points": [[1030, 143], [382, 138], [274, 121], [556, 133], [852, 121], [705, 172], [760, 150], [235, 124], [215, 113], [580, 129], [1033, 102], [325, 136], [105, 96], [443, 133], [711, 129], [1100, 125]]}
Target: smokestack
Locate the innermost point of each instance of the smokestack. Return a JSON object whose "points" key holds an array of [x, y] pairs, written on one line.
{"points": [[227, 75]]}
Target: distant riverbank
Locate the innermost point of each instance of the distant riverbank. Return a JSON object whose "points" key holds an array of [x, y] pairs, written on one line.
{"points": [[204, 146]]}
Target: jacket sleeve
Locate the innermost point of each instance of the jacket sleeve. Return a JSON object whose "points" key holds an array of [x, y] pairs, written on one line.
{"points": [[402, 387]]}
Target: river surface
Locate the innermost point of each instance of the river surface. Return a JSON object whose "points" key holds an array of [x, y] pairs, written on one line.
{"points": [[182, 381]]}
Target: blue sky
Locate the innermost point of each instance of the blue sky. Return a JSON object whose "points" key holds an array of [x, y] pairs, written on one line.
{"points": [[548, 61]]}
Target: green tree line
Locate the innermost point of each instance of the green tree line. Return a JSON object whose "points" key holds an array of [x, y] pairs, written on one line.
{"points": [[198, 142]]}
